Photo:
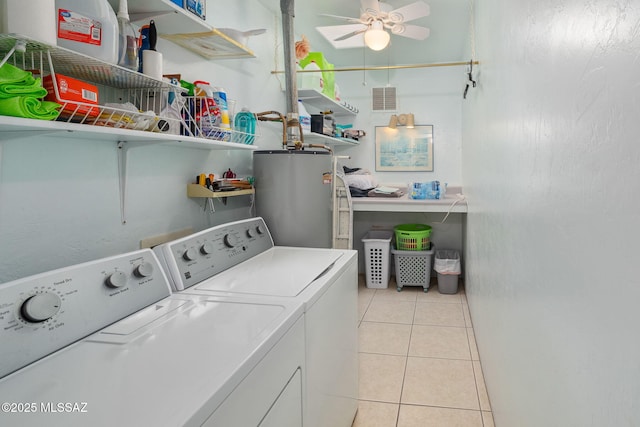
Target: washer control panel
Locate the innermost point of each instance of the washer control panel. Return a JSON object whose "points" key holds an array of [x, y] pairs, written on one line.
{"points": [[44, 313], [197, 257]]}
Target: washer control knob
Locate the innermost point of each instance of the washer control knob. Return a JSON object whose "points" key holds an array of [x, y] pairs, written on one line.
{"points": [[230, 240], [189, 255], [144, 270], [117, 280], [40, 307], [259, 229], [250, 233], [206, 248]]}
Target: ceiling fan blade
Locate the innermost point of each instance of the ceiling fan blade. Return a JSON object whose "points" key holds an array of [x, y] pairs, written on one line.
{"points": [[353, 31], [351, 34], [409, 12], [370, 7], [344, 18], [410, 31]]}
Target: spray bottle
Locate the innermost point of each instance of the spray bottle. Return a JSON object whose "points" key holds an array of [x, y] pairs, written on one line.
{"points": [[127, 40]]}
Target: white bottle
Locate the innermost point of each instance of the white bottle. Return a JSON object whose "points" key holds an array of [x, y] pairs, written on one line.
{"points": [[36, 19], [89, 27], [304, 117]]}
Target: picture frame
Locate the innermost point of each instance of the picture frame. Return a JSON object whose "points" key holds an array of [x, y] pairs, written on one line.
{"points": [[404, 149]]}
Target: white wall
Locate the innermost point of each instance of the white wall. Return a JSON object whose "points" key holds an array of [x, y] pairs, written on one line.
{"points": [[59, 200], [550, 169]]}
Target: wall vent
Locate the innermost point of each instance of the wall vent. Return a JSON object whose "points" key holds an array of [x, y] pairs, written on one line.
{"points": [[384, 99]]}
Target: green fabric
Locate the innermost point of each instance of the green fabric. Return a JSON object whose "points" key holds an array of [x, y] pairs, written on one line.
{"points": [[16, 82], [11, 74], [29, 107], [9, 90]]}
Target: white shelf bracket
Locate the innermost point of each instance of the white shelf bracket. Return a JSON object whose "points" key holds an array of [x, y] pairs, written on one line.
{"points": [[123, 153]]}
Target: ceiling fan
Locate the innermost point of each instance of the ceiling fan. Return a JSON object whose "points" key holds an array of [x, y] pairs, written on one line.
{"points": [[375, 18]]}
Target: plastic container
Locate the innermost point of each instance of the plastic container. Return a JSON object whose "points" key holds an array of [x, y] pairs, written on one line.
{"points": [[377, 244], [127, 39], [447, 265], [304, 117], [312, 80], [413, 237], [245, 122], [89, 27], [35, 19], [206, 115], [220, 96], [413, 268]]}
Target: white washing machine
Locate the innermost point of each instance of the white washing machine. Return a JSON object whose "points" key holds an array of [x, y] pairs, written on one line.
{"points": [[240, 259], [106, 344]]}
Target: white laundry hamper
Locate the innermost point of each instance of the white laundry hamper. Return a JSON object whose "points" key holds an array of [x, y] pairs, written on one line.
{"points": [[377, 245]]}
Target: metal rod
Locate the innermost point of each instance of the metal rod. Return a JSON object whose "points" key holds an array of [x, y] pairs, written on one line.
{"points": [[387, 67]]}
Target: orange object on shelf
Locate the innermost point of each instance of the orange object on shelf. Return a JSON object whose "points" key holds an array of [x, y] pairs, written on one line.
{"points": [[76, 96]]}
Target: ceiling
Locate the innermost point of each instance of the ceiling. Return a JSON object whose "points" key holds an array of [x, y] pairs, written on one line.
{"points": [[448, 22]]}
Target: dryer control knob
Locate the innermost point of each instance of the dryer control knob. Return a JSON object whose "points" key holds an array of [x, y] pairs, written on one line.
{"points": [[189, 254], [230, 240], [259, 229], [116, 280], [144, 270], [206, 248], [250, 233], [40, 307]]}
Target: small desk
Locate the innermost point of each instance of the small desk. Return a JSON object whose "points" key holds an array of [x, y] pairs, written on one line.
{"points": [[405, 204]]}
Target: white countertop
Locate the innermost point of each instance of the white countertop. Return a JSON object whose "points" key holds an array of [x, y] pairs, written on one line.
{"points": [[405, 204]]}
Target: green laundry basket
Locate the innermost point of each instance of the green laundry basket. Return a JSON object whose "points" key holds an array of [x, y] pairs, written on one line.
{"points": [[413, 237]]}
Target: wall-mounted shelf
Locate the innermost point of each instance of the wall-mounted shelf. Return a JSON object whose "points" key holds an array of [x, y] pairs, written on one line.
{"points": [[14, 128], [185, 29], [317, 138], [198, 191], [321, 102]]}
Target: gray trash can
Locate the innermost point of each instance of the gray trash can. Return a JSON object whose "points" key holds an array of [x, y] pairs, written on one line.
{"points": [[447, 265]]}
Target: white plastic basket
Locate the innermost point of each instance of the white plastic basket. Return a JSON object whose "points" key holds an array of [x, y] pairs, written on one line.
{"points": [[377, 245]]}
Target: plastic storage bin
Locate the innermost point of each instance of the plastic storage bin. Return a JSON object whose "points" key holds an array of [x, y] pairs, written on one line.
{"points": [[377, 244], [413, 268], [447, 265], [412, 237]]}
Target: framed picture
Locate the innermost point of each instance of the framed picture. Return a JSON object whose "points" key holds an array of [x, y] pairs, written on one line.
{"points": [[404, 149]]}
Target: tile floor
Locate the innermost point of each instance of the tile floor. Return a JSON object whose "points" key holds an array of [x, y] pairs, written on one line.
{"points": [[419, 364]]}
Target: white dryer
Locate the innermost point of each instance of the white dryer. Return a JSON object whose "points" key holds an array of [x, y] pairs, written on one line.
{"points": [[240, 259], [105, 343]]}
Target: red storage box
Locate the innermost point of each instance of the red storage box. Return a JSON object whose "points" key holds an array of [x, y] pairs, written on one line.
{"points": [[71, 93]]}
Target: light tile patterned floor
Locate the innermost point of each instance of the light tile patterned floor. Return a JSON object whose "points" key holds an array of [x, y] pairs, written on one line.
{"points": [[419, 364]]}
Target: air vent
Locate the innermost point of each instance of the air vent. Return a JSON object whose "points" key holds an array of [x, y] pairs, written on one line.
{"points": [[384, 99]]}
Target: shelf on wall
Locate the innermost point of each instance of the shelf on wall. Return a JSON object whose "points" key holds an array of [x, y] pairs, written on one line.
{"points": [[317, 138], [185, 29], [14, 127], [321, 102], [198, 191]]}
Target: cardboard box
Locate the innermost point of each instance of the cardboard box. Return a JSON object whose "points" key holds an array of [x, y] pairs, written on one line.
{"points": [[73, 92], [197, 7]]}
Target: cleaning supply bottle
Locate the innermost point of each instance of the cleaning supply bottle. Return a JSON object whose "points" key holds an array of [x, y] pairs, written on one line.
{"points": [[89, 27], [304, 117], [208, 115], [127, 39], [245, 121], [220, 96]]}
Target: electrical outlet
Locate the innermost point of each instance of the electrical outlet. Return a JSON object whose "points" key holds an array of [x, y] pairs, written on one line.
{"points": [[150, 242]]}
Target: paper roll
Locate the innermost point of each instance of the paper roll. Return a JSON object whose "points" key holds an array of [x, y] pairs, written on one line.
{"points": [[35, 19], [152, 63]]}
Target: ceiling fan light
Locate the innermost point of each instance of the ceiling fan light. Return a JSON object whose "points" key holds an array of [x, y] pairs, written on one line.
{"points": [[375, 37]]}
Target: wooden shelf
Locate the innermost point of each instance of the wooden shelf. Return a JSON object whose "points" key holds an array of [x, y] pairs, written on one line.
{"points": [[196, 190]]}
